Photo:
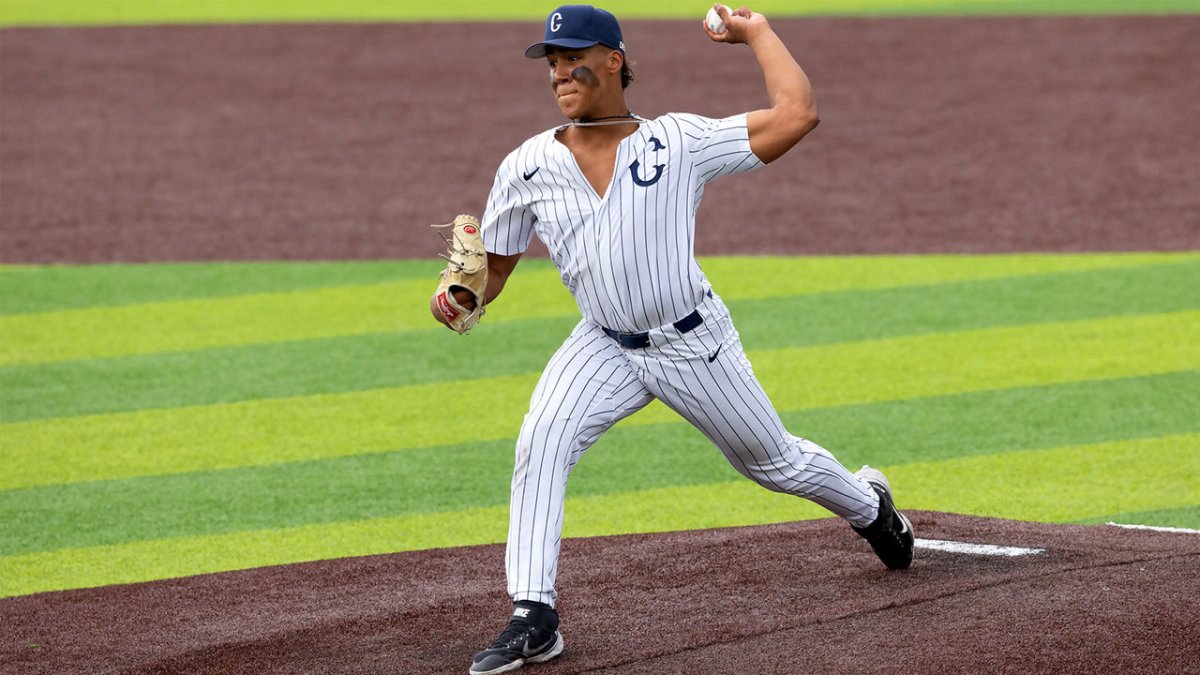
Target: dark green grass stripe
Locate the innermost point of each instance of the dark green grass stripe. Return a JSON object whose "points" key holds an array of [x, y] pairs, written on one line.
{"points": [[49, 288], [333, 365], [1187, 516], [982, 423], [628, 458], [1064, 296], [339, 365]]}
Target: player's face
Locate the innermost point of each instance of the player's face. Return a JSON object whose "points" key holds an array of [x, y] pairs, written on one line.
{"points": [[582, 79]]}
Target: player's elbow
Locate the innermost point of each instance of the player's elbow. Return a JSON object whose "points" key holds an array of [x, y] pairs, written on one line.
{"points": [[774, 132], [793, 121], [802, 119]]}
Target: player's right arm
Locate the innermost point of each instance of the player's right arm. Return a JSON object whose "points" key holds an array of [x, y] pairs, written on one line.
{"points": [[793, 112]]}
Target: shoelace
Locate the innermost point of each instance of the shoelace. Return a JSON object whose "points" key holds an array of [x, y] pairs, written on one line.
{"points": [[513, 634]]}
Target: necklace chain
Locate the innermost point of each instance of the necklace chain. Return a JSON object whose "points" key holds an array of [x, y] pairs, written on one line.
{"points": [[627, 118]]}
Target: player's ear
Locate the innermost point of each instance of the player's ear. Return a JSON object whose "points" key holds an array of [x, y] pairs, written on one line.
{"points": [[615, 60]]}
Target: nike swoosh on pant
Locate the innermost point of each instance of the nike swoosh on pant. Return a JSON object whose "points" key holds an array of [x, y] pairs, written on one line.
{"points": [[714, 356]]}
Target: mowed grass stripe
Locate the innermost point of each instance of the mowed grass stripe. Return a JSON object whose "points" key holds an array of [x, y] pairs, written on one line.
{"points": [[914, 310], [185, 325], [267, 317], [344, 364], [47, 288], [629, 458], [1161, 473], [1059, 485], [117, 12], [258, 432], [275, 370]]}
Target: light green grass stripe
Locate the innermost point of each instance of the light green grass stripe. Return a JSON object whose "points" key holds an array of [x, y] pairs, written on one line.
{"points": [[1055, 484], [741, 277], [997, 358], [1059, 485], [46, 288], [403, 306], [66, 12], [360, 362], [261, 318], [243, 434]]}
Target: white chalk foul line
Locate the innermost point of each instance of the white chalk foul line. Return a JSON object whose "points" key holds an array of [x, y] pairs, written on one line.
{"points": [[1155, 528], [975, 549]]}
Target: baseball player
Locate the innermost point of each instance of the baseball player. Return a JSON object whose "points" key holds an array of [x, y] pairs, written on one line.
{"points": [[614, 197]]}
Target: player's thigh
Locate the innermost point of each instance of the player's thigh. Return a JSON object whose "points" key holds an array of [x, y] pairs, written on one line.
{"points": [[725, 401], [587, 386]]}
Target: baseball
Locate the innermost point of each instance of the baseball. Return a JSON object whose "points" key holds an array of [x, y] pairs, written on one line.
{"points": [[715, 24]]}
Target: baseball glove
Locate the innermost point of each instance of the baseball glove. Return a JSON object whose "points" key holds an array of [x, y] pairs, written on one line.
{"points": [[466, 270]]}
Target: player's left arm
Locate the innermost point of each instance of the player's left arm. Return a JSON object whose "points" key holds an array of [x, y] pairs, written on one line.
{"points": [[500, 267], [793, 112]]}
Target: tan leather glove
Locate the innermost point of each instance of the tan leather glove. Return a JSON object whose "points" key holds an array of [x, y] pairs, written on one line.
{"points": [[466, 270]]}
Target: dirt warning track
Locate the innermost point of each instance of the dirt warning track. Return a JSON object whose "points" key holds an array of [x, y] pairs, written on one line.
{"points": [[806, 596], [346, 141]]}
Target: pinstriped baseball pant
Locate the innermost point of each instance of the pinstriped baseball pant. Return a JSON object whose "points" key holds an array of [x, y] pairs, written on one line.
{"points": [[591, 383]]}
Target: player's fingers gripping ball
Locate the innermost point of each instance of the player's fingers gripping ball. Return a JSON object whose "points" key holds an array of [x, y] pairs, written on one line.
{"points": [[465, 277], [713, 20]]}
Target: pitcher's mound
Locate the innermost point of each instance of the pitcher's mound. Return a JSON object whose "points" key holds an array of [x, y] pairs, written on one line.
{"points": [[794, 597]]}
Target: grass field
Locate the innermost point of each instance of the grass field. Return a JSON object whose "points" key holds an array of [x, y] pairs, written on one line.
{"points": [[71, 12], [165, 420]]}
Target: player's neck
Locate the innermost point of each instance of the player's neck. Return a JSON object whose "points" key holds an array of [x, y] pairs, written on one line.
{"points": [[606, 123], [611, 104], [581, 137]]}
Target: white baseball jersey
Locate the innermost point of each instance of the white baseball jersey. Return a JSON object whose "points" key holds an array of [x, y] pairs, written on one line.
{"points": [[627, 257]]}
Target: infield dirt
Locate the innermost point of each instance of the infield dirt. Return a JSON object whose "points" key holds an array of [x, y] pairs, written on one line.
{"points": [[328, 142], [796, 597]]}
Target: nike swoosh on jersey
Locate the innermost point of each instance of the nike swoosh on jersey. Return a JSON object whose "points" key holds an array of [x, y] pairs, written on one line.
{"points": [[529, 175]]}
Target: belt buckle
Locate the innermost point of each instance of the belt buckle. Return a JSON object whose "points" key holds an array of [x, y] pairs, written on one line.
{"points": [[629, 340], [634, 340]]}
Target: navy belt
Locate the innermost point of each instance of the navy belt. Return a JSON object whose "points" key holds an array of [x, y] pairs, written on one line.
{"points": [[642, 340]]}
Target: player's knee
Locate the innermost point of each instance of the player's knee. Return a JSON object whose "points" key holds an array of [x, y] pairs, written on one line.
{"points": [[788, 461], [540, 442]]}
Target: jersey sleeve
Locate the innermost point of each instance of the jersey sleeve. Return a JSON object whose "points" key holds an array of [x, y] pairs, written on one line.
{"points": [[507, 225], [719, 147]]}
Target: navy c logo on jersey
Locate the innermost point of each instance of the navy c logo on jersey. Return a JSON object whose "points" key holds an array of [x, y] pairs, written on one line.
{"points": [[633, 172], [655, 145]]}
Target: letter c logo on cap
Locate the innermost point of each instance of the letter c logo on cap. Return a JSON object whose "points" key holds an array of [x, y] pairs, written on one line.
{"points": [[555, 22]]}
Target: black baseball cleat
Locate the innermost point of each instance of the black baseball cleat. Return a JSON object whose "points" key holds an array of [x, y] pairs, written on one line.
{"points": [[891, 535], [531, 637]]}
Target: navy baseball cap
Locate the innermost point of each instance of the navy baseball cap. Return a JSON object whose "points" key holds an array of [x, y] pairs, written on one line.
{"points": [[578, 27]]}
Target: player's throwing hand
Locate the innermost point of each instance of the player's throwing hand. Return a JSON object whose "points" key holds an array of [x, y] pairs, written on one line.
{"points": [[741, 25]]}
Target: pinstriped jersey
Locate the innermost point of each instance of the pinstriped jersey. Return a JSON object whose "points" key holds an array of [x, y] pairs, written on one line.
{"points": [[627, 257]]}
